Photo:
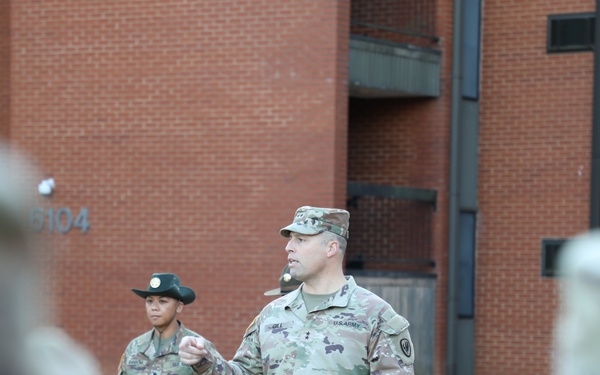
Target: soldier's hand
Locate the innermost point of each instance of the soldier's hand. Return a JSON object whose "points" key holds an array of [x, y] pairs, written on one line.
{"points": [[191, 350]]}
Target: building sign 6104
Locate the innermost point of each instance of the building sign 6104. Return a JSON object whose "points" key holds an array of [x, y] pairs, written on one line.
{"points": [[60, 220]]}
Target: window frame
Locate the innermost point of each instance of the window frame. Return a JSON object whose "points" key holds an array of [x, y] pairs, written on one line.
{"points": [[551, 248], [590, 16]]}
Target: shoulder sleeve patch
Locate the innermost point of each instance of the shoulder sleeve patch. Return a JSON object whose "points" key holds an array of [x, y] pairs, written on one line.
{"points": [[120, 369], [252, 327], [395, 329]]}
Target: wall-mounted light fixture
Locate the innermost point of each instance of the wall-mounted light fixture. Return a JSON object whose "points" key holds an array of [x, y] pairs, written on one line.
{"points": [[46, 187]]}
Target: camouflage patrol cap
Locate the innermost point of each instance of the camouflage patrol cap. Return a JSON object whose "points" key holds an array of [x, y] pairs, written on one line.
{"points": [[286, 283], [315, 220]]}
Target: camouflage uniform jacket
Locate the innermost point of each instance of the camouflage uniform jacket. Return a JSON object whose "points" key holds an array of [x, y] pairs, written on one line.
{"points": [[140, 356], [353, 332]]}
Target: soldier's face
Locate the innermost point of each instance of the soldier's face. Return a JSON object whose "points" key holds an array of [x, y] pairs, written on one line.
{"points": [[306, 255], [161, 310]]}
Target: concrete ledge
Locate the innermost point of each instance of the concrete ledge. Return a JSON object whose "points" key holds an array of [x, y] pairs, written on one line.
{"points": [[380, 69]]}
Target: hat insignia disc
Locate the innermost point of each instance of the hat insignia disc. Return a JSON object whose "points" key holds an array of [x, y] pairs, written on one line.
{"points": [[155, 282]]}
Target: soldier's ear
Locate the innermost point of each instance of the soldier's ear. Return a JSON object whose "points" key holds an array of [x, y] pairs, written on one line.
{"points": [[333, 247], [179, 307]]}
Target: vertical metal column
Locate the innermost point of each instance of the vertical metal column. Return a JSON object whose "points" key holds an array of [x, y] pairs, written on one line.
{"points": [[595, 165]]}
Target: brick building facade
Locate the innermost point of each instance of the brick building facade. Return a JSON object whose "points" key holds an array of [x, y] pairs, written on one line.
{"points": [[534, 183], [191, 130]]}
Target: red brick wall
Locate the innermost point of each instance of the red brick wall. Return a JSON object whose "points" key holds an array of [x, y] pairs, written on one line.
{"points": [[406, 18], [191, 130], [4, 68], [406, 142], [534, 178], [341, 102], [391, 141]]}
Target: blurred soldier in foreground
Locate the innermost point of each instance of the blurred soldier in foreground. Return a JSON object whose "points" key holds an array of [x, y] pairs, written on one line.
{"points": [[577, 334], [25, 347]]}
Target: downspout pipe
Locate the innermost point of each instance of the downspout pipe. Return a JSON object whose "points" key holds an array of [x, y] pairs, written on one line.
{"points": [[595, 167], [453, 203]]}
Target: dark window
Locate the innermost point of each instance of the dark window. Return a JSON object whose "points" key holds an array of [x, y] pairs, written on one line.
{"points": [[571, 32], [550, 250], [466, 264], [470, 49]]}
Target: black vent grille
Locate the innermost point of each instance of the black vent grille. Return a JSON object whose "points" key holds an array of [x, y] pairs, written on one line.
{"points": [[571, 32]]}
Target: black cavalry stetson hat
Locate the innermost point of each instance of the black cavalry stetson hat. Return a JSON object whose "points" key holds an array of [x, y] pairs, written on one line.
{"points": [[286, 283], [168, 285]]}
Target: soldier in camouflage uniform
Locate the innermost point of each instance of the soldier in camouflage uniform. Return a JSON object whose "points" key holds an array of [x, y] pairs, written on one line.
{"points": [[155, 352], [329, 325]]}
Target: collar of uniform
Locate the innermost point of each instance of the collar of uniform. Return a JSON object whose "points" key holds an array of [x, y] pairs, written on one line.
{"points": [[294, 299], [174, 345], [340, 299], [145, 342]]}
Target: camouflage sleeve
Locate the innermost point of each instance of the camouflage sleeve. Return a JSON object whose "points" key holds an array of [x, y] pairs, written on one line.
{"points": [[391, 349], [247, 359]]}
